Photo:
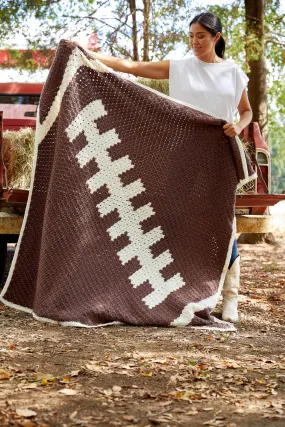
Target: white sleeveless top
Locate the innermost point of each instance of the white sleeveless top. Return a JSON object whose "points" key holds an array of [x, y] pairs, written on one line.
{"points": [[213, 87]]}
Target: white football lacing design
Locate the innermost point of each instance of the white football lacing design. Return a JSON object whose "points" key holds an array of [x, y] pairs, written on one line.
{"points": [[119, 199]]}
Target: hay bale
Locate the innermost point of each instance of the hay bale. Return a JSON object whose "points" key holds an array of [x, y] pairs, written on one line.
{"points": [[249, 149], [18, 148], [159, 85]]}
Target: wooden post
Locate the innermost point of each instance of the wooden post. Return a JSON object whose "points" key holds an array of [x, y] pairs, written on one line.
{"points": [[1, 152]]}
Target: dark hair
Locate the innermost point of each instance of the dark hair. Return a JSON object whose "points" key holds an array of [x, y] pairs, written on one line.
{"points": [[213, 25]]}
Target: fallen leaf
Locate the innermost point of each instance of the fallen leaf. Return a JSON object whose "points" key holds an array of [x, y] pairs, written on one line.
{"points": [[239, 411], [213, 422], [68, 391], [129, 417], [261, 395], [167, 403], [192, 412], [30, 386], [39, 377], [146, 374], [161, 419], [26, 413], [173, 379], [274, 298], [176, 395], [73, 415], [26, 423], [94, 368], [4, 375], [178, 410], [203, 367], [161, 362]]}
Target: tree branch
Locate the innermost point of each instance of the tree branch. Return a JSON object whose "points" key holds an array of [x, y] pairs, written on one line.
{"points": [[94, 11], [119, 27], [118, 19], [279, 20], [275, 42], [271, 38], [272, 33], [79, 18]]}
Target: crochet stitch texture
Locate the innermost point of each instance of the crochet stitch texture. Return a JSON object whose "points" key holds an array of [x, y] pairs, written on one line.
{"points": [[130, 217]]}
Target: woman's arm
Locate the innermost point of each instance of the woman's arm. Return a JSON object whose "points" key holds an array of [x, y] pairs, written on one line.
{"points": [[150, 70], [245, 113]]}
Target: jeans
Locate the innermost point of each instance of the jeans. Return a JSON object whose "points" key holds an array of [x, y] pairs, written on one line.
{"points": [[234, 253]]}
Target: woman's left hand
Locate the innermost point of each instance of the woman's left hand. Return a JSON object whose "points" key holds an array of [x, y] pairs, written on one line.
{"points": [[231, 129]]}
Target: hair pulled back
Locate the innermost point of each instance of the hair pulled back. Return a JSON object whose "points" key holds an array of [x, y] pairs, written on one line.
{"points": [[213, 25]]}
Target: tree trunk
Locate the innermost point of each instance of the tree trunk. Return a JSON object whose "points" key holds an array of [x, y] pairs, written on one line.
{"points": [[146, 13], [257, 86], [255, 54], [133, 10]]}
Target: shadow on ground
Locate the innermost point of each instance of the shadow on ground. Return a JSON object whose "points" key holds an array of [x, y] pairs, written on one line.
{"points": [[127, 376]]}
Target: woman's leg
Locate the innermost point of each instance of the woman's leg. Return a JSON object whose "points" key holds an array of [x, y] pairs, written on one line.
{"points": [[234, 253], [231, 286]]}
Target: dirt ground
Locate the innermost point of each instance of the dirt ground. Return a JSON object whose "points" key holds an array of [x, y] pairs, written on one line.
{"points": [[134, 376]]}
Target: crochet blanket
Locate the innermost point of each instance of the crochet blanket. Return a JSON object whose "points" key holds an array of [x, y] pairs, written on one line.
{"points": [[130, 217]]}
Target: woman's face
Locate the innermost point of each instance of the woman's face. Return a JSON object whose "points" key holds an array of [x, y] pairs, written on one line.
{"points": [[201, 41]]}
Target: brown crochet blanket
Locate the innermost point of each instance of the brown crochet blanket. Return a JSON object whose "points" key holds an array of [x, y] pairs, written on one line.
{"points": [[131, 210]]}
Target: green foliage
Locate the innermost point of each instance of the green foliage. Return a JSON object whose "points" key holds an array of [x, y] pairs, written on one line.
{"points": [[24, 60], [275, 32], [56, 19], [233, 19], [277, 135], [51, 19], [169, 20], [277, 145], [14, 13], [167, 28]]}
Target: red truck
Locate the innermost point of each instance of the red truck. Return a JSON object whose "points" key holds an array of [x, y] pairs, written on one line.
{"points": [[18, 105]]}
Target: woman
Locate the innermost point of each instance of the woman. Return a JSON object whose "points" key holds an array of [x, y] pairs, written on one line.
{"points": [[210, 83]]}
